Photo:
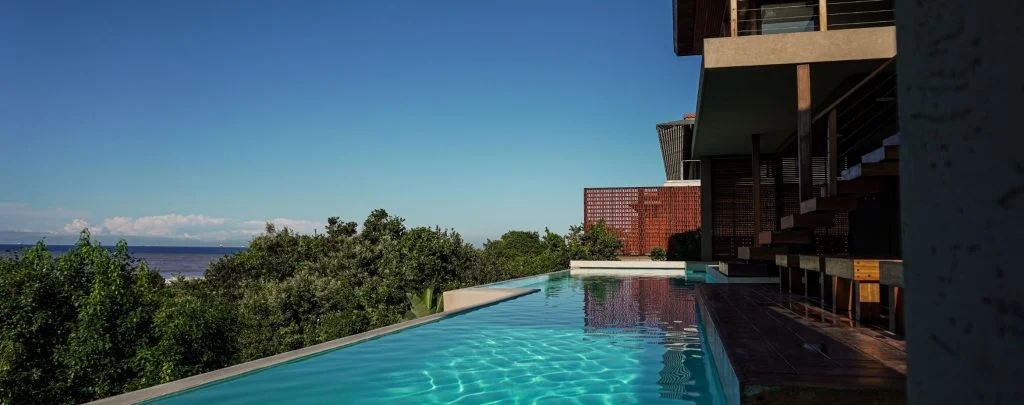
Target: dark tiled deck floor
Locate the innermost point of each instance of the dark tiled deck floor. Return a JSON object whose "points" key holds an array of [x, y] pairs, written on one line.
{"points": [[783, 350]]}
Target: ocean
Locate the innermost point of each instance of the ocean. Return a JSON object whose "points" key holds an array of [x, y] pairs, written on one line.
{"points": [[170, 261]]}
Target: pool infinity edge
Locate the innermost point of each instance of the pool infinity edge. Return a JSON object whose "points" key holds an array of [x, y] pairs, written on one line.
{"points": [[248, 367]]}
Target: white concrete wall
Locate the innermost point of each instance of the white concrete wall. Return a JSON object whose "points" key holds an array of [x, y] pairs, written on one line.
{"points": [[474, 296], [612, 264]]}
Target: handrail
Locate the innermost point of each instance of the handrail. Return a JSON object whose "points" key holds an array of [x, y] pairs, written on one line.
{"points": [[842, 98]]}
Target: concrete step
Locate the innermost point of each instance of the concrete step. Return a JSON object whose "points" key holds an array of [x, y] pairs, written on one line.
{"points": [[760, 253], [880, 169], [788, 237], [744, 269], [893, 140], [806, 221], [828, 204], [861, 187], [883, 154]]}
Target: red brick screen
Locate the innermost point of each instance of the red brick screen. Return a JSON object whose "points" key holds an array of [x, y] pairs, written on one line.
{"points": [[643, 217]]}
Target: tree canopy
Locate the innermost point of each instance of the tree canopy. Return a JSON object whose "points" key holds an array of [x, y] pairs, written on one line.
{"points": [[95, 322]]}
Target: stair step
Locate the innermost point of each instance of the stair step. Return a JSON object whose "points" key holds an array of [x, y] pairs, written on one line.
{"points": [[761, 253], [807, 221], [892, 140], [789, 237], [741, 269], [881, 169], [885, 153], [828, 204], [860, 187]]}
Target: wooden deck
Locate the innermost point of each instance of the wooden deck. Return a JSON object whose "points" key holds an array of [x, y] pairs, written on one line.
{"points": [[772, 348]]}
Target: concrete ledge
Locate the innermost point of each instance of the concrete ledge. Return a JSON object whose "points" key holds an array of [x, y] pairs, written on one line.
{"points": [[800, 47], [237, 370], [891, 273], [475, 296], [628, 272], [613, 264]]}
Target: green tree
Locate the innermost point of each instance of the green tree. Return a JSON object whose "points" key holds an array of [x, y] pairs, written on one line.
{"points": [[596, 243], [36, 316], [195, 328], [95, 322], [274, 255], [114, 323], [380, 225], [278, 316]]}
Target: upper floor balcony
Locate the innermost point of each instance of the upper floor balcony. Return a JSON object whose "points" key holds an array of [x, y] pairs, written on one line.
{"points": [[696, 20]]}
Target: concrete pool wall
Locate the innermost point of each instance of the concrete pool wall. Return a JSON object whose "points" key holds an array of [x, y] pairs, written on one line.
{"points": [[145, 394]]}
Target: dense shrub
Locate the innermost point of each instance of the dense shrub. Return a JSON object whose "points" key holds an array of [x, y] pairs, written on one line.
{"points": [[596, 243], [684, 246], [95, 322], [658, 254]]}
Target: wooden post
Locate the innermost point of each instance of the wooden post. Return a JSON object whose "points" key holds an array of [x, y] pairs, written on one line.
{"points": [[893, 301], [822, 15], [803, 130], [866, 300], [824, 290], [733, 21], [896, 310], [779, 197], [755, 181], [842, 295], [833, 155]]}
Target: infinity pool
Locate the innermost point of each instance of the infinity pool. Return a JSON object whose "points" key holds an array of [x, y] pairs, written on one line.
{"points": [[601, 340]]}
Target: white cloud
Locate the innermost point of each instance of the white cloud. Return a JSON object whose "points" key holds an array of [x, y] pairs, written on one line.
{"points": [[26, 223], [158, 225], [77, 225]]}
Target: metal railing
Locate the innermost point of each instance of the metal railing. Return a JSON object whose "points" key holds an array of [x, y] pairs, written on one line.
{"points": [[866, 115], [807, 16]]}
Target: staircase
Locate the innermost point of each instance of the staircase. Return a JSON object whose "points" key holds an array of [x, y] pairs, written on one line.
{"points": [[796, 231], [862, 180]]}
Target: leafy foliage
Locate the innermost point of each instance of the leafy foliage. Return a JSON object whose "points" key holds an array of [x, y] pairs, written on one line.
{"points": [[658, 254], [596, 243], [425, 303], [95, 322]]}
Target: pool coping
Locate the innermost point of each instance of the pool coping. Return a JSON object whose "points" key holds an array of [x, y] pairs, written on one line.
{"points": [[629, 272], [619, 264], [252, 366]]}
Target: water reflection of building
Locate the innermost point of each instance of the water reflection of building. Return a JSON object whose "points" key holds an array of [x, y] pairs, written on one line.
{"points": [[652, 302], [665, 312]]}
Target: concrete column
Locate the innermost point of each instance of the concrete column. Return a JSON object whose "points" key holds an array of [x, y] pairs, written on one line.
{"points": [[805, 151], [706, 208], [962, 199]]}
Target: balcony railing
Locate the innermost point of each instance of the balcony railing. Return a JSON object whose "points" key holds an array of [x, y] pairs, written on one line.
{"points": [[690, 170], [760, 17]]}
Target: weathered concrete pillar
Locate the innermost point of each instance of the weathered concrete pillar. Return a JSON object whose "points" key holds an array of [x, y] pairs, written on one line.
{"points": [[961, 88], [706, 209]]}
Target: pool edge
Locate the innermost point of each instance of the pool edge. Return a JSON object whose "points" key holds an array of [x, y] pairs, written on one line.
{"points": [[211, 377]]}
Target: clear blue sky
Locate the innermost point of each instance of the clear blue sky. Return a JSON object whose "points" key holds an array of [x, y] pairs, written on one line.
{"points": [[479, 115]]}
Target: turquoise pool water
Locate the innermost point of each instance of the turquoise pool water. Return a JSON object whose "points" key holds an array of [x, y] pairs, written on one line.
{"points": [[581, 340]]}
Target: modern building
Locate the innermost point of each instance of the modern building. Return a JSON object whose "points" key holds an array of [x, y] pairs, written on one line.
{"points": [[793, 96], [675, 138], [646, 217]]}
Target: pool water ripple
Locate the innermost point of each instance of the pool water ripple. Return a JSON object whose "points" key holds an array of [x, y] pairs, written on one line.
{"points": [[590, 340]]}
